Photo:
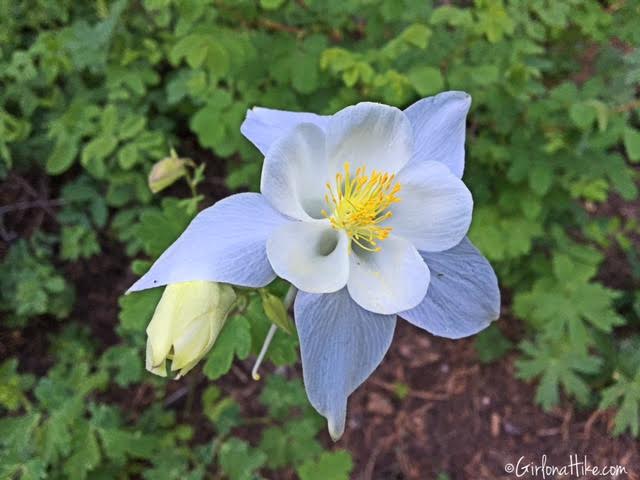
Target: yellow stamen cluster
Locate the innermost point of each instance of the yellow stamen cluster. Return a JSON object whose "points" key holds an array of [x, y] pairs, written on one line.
{"points": [[360, 203]]}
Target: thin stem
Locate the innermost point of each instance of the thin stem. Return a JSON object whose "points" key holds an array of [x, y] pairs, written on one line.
{"points": [[190, 395], [263, 351], [287, 302], [290, 297], [628, 106]]}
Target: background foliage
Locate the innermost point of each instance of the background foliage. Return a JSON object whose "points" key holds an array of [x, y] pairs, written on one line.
{"points": [[92, 94]]}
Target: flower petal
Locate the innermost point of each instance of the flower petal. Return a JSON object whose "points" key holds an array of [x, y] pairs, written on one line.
{"points": [[389, 281], [295, 173], [341, 345], [439, 129], [369, 134], [435, 207], [224, 243], [311, 255], [463, 296], [263, 126]]}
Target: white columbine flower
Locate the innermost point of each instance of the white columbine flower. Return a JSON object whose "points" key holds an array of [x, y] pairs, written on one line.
{"points": [[365, 213]]}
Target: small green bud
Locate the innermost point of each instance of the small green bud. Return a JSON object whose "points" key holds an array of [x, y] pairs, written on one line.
{"points": [[275, 311], [186, 323]]}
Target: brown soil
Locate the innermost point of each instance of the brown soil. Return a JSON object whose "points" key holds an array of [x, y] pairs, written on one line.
{"points": [[466, 419]]}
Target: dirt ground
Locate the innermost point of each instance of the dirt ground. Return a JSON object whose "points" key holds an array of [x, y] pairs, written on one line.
{"points": [[467, 419]]}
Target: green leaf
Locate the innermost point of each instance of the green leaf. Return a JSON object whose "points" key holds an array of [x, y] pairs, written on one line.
{"points": [[304, 72], [284, 348], [485, 74], [558, 364], [78, 241], [126, 361], [30, 285], [15, 432], [209, 123], [224, 413], [86, 453], [450, 15], [160, 228], [335, 465], [13, 386], [292, 444], [96, 152], [131, 127], [271, 4], [121, 444], [624, 393], [234, 340], [238, 460], [280, 396], [426, 80], [541, 178], [583, 115], [64, 153], [128, 156], [632, 143], [493, 20], [622, 178], [417, 35], [491, 344], [136, 309]]}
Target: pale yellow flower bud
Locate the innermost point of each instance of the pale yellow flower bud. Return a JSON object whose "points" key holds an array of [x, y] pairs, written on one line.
{"points": [[186, 323], [167, 171]]}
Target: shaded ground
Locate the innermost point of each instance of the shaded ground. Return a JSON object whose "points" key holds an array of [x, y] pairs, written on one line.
{"points": [[466, 419]]}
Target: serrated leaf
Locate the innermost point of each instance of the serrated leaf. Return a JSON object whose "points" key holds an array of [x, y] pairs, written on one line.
{"points": [[625, 394], [159, 228], [13, 385], [121, 444], [238, 460], [127, 362], [557, 364], [335, 465], [234, 341], [136, 309], [280, 396], [491, 344], [15, 432], [86, 453]]}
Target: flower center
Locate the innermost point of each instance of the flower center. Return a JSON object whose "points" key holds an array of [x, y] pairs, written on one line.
{"points": [[360, 203]]}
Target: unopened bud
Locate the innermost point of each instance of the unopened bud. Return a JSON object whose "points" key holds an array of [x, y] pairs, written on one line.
{"points": [[167, 171], [186, 323], [275, 311]]}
